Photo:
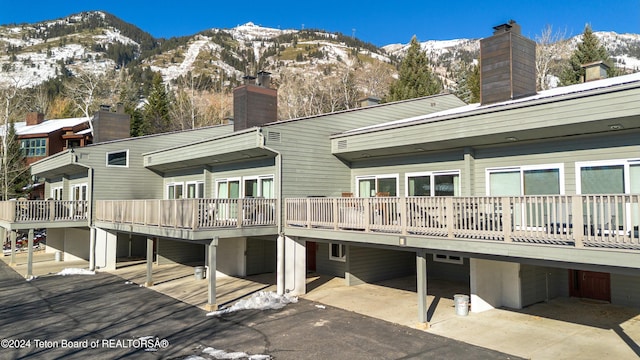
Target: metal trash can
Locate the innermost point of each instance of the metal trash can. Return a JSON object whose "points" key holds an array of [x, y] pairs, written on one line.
{"points": [[58, 256], [461, 303], [199, 272]]}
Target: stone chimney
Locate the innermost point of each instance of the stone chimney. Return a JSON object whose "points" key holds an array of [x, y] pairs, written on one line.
{"points": [[34, 118], [254, 104], [595, 71], [507, 65]]}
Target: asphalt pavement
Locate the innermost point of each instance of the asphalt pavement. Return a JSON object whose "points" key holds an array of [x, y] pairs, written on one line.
{"points": [[103, 316]]}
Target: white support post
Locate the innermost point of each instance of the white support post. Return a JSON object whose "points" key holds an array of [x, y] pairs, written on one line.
{"points": [[211, 276], [92, 248], [280, 258], [30, 254], [421, 269], [149, 281]]}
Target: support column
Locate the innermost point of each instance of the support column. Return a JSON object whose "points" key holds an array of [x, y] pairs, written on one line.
{"points": [[13, 236], [211, 276], [421, 269], [149, 281], [468, 175], [30, 254], [92, 248], [280, 261]]}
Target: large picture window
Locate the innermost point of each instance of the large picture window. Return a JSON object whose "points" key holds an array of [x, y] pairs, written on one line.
{"points": [[526, 180], [433, 184], [34, 147], [369, 186]]}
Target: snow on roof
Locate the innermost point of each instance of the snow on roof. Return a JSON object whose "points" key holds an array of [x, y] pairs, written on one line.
{"points": [[85, 131], [50, 125], [551, 93]]}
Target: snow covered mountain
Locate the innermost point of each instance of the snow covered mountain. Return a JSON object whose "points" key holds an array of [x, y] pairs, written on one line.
{"points": [[100, 42]]}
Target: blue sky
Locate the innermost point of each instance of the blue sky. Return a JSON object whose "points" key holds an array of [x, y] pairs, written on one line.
{"points": [[378, 22]]}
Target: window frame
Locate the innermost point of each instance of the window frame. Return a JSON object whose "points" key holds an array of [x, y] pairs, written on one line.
{"points": [[36, 149], [259, 179], [342, 251], [521, 170], [432, 175], [126, 158], [57, 192], [359, 178], [199, 187], [626, 175], [174, 183]]}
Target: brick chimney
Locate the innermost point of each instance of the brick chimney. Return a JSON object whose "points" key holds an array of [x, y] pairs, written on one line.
{"points": [[254, 103], [507, 65], [34, 118]]}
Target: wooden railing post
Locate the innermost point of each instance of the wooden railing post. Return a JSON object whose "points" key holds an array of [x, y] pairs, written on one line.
{"points": [[335, 210], [449, 214], [308, 212], [402, 203], [367, 214], [578, 220], [506, 219], [239, 214], [195, 211], [52, 210]]}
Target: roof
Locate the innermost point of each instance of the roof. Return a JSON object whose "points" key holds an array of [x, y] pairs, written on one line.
{"points": [[49, 126], [555, 93]]}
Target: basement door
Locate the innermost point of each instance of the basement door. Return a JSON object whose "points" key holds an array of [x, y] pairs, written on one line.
{"points": [[311, 256], [590, 285]]}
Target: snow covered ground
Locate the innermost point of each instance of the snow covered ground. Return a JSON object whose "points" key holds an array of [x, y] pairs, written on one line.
{"points": [[262, 300]]}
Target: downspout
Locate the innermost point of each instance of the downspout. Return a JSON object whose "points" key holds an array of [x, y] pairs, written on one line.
{"points": [[280, 258]]}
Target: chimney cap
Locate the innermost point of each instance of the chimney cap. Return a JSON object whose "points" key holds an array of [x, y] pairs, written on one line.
{"points": [[511, 26]]}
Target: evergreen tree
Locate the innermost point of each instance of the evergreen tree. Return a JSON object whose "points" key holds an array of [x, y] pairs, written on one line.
{"points": [[468, 83], [156, 111], [15, 172], [588, 51], [415, 78]]}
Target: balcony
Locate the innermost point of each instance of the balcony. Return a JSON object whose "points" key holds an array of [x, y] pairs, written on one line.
{"points": [[578, 221], [22, 214], [189, 214]]}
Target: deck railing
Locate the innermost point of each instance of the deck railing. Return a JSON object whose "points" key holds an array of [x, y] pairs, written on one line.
{"points": [[608, 221], [189, 213], [23, 211]]}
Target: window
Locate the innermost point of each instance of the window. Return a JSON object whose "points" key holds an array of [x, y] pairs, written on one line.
{"points": [[118, 158], [451, 259], [34, 147], [261, 186], [433, 184], [174, 191], [526, 180], [56, 193], [337, 252], [608, 177], [195, 190], [369, 186], [228, 188]]}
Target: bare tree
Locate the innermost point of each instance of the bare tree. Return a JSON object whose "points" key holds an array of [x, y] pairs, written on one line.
{"points": [[550, 48], [85, 90], [12, 166]]}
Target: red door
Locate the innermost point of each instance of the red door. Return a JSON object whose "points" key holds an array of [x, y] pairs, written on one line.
{"points": [[590, 285], [311, 256]]}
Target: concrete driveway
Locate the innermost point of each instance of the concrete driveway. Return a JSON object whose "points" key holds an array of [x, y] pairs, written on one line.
{"points": [[104, 316]]}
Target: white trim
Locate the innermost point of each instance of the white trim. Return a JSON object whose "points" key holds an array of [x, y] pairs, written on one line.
{"points": [[196, 183], [116, 152], [451, 259], [376, 177], [431, 174], [521, 170], [341, 249]]}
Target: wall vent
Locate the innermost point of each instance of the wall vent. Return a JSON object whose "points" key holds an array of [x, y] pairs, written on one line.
{"points": [[273, 137], [342, 144]]}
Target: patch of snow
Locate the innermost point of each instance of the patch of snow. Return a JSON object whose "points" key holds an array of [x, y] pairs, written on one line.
{"points": [[76, 271], [221, 354], [31, 277], [262, 300], [321, 306], [128, 282]]}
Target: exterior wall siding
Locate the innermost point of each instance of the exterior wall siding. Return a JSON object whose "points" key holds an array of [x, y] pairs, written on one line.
{"points": [[625, 290], [170, 251], [261, 256], [326, 266], [446, 271], [367, 265]]}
